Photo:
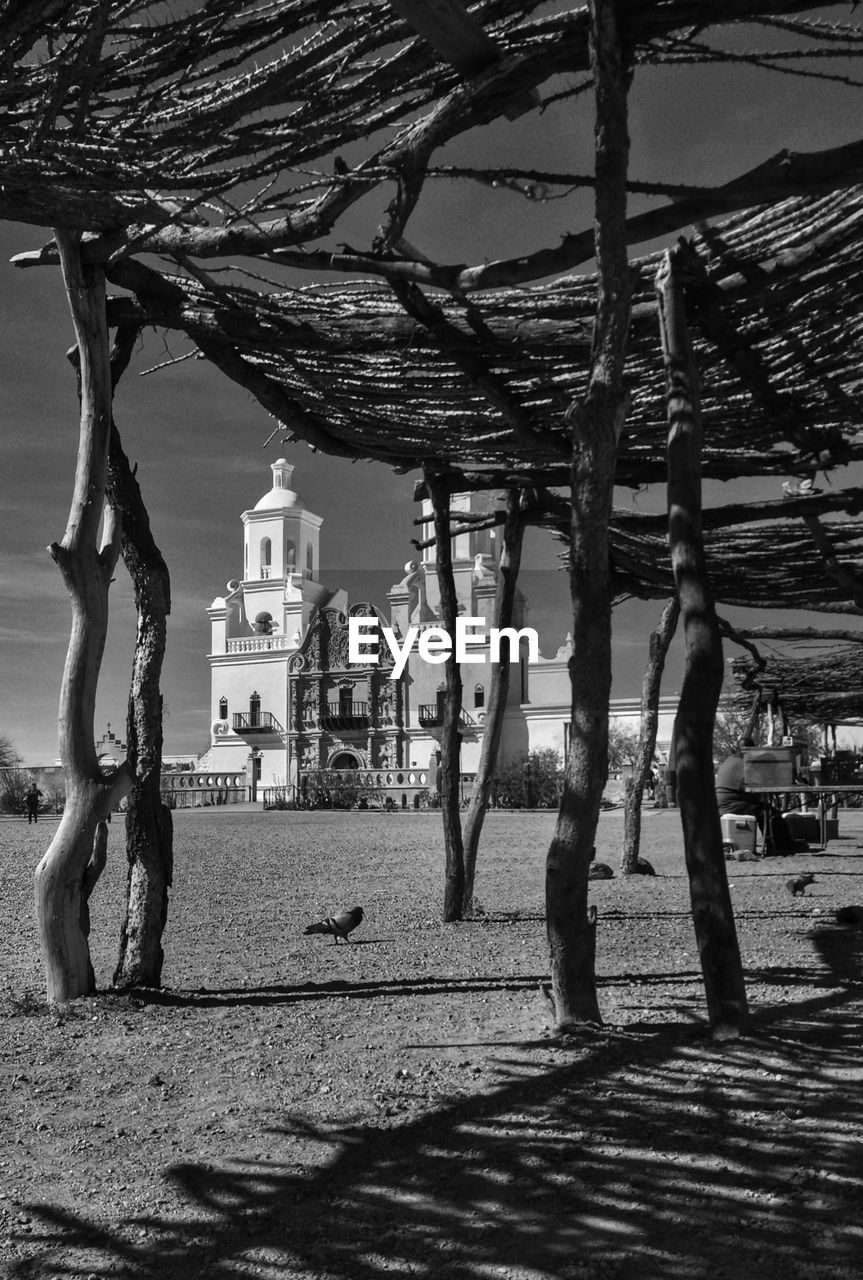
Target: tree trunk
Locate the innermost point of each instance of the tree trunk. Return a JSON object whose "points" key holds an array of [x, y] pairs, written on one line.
{"points": [[504, 603], [149, 827], [67, 872], [660, 639], [702, 682], [596, 424], [450, 738]]}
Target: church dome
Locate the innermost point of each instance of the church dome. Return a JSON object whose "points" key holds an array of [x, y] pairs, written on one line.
{"points": [[281, 495]]}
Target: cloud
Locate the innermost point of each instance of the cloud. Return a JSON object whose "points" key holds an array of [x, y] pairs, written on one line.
{"points": [[31, 577], [22, 635]]}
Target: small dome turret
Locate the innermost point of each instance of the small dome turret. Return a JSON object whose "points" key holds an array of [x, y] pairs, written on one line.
{"points": [[281, 495]]}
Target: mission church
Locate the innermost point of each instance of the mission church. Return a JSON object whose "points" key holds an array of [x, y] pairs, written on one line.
{"points": [[288, 707]]}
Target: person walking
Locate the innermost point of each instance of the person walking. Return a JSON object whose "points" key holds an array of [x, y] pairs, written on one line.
{"points": [[32, 796]]}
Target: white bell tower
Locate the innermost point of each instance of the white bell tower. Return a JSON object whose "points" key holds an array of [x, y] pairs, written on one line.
{"points": [[281, 557]]}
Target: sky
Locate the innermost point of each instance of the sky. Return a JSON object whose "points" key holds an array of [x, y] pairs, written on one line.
{"points": [[198, 439]]}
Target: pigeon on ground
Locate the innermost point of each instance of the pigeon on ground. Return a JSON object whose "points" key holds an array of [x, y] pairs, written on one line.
{"points": [[799, 883], [339, 925]]}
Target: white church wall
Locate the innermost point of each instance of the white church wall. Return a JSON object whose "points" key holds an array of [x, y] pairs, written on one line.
{"points": [[236, 680]]}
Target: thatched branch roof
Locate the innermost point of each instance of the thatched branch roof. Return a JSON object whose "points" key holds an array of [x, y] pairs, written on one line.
{"points": [[821, 686], [243, 132], [790, 280]]}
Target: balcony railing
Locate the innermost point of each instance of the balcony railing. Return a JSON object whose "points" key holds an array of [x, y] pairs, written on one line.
{"points": [[431, 716], [345, 715], [248, 724], [257, 644]]}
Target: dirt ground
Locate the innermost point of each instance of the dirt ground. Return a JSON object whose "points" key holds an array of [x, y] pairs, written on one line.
{"points": [[286, 1107]]}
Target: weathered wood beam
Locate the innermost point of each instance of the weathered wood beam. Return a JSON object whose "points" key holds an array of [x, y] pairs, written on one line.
{"points": [[785, 174], [849, 501], [839, 635], [848, 577], [731, 633], [460, 41], [553, 511]]}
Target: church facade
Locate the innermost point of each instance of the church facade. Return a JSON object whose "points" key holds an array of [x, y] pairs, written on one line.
{"points": [[293, 716]]}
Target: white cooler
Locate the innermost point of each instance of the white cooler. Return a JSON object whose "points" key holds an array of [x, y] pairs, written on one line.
{"points": [[740, 830]]}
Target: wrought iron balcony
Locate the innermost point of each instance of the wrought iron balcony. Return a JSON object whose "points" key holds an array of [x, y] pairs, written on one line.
{"points": [[345, 715], [255, 724], [431, 716]]}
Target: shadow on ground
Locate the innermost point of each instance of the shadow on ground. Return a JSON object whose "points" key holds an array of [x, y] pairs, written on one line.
{"points": [[625, 1154]]}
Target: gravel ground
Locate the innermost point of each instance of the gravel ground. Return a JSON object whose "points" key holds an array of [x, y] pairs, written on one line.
{"points": [[286, 1107]]}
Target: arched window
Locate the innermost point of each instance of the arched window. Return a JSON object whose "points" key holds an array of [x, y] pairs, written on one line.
{"points": [[223, 708], [266, 557], [309, 557], [479, 696]]}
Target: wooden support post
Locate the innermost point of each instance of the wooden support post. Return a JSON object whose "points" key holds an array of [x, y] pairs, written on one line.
{"points": [[450, 738], [596, 423], [504, 603], [149, 825], [660, 639], [702, 683], [66, 874]]}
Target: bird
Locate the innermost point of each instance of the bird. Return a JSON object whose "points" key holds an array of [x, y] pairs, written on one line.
{"points": [[799, 883], [339, 925]]}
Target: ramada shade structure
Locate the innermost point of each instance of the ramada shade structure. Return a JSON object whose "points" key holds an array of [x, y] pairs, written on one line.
{"points": [[482, 383], [778, 355], [214, 133], [777, 327]]}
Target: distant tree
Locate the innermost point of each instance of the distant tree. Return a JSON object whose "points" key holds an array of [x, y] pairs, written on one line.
{"points": [[733, 725], [622, 746], [53, 788], [14, 781], [809, 733], [531, 781]]}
